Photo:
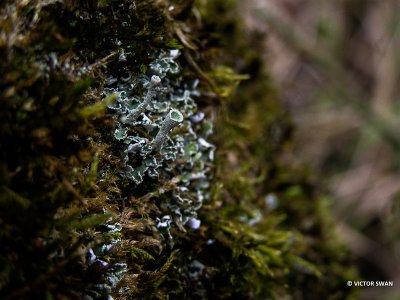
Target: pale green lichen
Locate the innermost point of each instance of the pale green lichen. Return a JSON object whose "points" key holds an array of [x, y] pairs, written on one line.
{"points": [[150, 146], [171, 120], [89, 209]]}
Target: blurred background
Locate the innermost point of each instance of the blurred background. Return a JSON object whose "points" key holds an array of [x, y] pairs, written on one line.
{"points": [[337, 66]]}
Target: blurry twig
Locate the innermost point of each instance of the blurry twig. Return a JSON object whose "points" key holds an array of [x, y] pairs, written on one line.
{"points": [[368, 249], [337, 76], [201, 74], [320, 57]]}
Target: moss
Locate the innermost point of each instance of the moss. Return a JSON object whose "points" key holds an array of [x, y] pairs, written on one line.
{"points": [[250, 224]]}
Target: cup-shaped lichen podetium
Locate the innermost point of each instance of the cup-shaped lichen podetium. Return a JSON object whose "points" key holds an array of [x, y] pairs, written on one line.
{"points": [[151, 93], [173, 118]]}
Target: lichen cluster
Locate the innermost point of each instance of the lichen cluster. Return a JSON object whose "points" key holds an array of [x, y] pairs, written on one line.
{"points": [[110, 183], [163, 137]]}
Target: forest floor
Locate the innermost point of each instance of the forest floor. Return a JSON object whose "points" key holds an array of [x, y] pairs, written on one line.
{"points": [[336, 66]]}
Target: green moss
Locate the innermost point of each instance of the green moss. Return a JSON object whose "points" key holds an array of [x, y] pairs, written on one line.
{"points": [[74, 226]]}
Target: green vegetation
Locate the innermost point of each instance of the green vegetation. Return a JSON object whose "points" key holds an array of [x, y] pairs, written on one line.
{"points": [[109, 186]]}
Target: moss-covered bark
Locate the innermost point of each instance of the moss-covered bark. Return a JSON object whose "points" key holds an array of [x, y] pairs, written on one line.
{"points": [[91, 209]]}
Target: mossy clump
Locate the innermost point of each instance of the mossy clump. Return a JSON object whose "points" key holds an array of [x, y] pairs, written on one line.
{"points": [[113, 183]]}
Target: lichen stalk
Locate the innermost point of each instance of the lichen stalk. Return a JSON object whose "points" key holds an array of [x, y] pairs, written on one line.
{"points": [[173, 118], [151, 93]]}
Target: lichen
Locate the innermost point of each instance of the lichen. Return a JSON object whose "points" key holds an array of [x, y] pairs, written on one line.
{"points": [[162, 137], [134, 166]]}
